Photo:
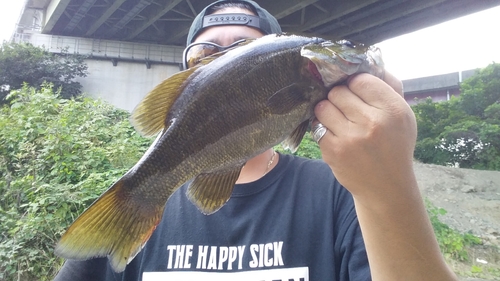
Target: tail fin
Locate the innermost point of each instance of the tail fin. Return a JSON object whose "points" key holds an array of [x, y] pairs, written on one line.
{"points": [[114, 226]]}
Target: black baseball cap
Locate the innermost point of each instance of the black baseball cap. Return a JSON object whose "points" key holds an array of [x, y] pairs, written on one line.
{"points": [[264, 21]]}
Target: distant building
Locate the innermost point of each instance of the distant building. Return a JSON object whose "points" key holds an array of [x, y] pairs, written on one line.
{"points": [[439, 87]]}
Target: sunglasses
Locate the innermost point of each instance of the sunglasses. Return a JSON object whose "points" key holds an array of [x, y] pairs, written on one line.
{"points": [[195, 52]]}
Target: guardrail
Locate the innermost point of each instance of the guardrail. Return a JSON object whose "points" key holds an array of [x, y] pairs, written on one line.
{"points": [[107, 49]]}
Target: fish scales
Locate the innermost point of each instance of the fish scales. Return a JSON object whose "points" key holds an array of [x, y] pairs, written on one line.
{"points": [[240, 108], [213, 118], [238, 104]]}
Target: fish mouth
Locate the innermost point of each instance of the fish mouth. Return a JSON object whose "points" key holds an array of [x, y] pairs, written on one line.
{"points": [[333, 62], [313, 69]]}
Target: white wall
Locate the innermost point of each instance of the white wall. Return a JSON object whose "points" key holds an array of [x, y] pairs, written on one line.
{"points": [[123, 85]]}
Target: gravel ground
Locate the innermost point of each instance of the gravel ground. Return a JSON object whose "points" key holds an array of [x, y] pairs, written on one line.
{"points": [[472, 201]]}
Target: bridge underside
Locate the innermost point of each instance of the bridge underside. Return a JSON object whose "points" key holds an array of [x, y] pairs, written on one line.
{"points": [[167, 21]]}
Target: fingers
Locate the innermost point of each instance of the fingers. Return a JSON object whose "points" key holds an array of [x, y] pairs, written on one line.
{"points": [[328, 134], [371, 132], [331, 117], [394, 82], [376, 92], [364, 101]]}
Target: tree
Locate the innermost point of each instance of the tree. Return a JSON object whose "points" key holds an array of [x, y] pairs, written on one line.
{"points": [[464, 130], [481, 91], [25, 63]]}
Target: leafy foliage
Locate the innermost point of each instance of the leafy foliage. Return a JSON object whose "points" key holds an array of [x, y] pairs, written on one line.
{"points": [[464, 131], [453, 244], [56, 157], [25, 63], [308, 148], [480, 91]]}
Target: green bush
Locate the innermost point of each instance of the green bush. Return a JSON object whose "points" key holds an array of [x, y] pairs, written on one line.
{"points": [[308, 148], [453, 244], [56, 157]]}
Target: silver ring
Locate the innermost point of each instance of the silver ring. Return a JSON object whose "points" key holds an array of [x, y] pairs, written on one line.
{"points": [[318, 131]]}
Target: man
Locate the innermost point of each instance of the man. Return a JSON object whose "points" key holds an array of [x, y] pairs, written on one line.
{"points": [[291, 218]]}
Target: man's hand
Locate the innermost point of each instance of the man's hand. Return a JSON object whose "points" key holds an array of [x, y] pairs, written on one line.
{"points": [[369, 147], [371, 134]]}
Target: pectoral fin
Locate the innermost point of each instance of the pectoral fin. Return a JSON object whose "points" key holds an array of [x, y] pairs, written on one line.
{"points": [[286, 99], [149, 116], [209, 192], [292, 142]]}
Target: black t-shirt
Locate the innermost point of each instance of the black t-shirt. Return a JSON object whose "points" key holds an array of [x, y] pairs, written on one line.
{"points": [[295, 223]]}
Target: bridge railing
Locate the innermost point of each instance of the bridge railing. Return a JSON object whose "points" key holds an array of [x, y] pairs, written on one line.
{"points": [[98, 48]]}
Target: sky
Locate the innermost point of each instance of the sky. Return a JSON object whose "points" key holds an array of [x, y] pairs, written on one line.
{"points": [[10, 10], [465, 43]]}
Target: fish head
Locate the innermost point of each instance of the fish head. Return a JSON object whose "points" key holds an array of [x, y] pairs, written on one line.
{"points": [[334, 62]]}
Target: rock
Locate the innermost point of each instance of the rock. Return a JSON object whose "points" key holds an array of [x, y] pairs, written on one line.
{"points": [[468, 189]]}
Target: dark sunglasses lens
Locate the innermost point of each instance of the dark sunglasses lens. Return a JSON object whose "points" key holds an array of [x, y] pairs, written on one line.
{"points": [[198, 52]]}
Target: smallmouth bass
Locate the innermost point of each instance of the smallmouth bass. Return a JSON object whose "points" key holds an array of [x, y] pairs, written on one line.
{"points": [[211, 119]]}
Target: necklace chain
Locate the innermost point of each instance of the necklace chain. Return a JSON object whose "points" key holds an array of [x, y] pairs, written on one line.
{"points": [[270, 162]]}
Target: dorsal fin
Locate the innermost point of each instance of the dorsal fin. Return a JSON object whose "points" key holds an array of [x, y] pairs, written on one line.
{"points": [[148, 118]]}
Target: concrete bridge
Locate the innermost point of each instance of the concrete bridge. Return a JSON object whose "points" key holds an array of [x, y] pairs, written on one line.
{"points": [[134, 44]]}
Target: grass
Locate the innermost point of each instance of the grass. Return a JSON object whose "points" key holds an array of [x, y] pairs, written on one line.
{"points": [[465, 252]]}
